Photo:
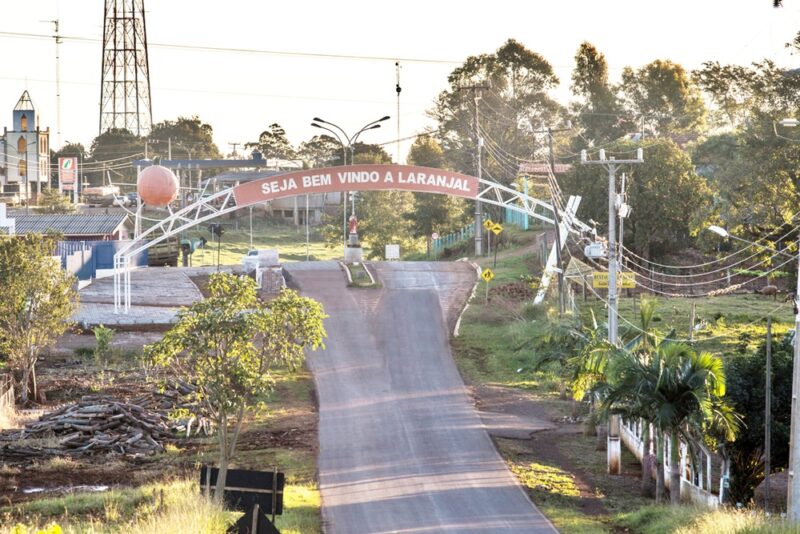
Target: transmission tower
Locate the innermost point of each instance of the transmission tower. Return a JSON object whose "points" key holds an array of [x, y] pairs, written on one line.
{"points": [[125, 81]]}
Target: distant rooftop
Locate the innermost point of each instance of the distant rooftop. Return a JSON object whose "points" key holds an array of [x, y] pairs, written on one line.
{"points": [[69, 225]]}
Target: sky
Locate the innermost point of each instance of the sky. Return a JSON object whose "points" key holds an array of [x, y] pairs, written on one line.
{"points": [[240, 94]]}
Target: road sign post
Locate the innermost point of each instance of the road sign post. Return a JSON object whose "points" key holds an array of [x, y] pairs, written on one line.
{"points": [[496, 229], [487, 276]]}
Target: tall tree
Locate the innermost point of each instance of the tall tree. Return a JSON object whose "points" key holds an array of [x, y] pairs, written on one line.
{"points": [[516, 104], [273, 143], [433, 213], [230, 343], [670, 200], [598, 111], [36, 303], [321, 151], [190, 137], [662, 97], [112, 152]]}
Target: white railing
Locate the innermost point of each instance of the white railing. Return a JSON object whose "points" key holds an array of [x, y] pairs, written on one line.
{"points": [[696, 473]]}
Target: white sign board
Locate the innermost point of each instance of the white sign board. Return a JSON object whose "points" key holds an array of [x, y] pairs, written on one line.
{"points": [[392, 252]]}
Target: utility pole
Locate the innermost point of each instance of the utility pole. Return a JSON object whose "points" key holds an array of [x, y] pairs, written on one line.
{"points": [[793, 492], [476, 96], [398, 89], [768, 416], [234, 145], [611, 166], [57, 38]]}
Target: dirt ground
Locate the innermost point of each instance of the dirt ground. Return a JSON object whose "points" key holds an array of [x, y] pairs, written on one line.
{"points": [[66, 378], [564, 446]]}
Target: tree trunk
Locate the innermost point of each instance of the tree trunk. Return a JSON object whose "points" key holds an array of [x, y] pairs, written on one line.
{"points": [[23, 389], [659, 467], [647, 462], [34, 387], [674, 468], [602, 437], [589, 428], [223, 459]]}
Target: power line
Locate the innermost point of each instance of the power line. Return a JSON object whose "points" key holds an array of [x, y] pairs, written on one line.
{"points": [[236, 50], [675, 340]]}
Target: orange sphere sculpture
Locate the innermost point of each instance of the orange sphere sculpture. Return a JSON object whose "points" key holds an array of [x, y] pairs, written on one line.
{"points": [[157, 186]]}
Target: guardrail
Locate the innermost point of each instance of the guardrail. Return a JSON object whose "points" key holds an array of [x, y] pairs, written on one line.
{"points": [[698, 477], [439, 244], [7, 395]]}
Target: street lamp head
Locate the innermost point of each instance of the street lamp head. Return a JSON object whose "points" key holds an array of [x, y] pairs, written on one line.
{"points": [[386, 118], [315, 125], [374, 126], [720, 231], [319, 120]]}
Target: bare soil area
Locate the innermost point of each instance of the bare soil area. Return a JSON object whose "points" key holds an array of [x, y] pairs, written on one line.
{"points": [[562, 445]]}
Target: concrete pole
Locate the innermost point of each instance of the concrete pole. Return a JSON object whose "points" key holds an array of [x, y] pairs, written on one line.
{"points": [[557, 219], [478, 206], [612, 255], [793, 491]]}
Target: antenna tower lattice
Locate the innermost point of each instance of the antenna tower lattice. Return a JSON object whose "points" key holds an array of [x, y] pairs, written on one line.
{"points": [[125, 82]]}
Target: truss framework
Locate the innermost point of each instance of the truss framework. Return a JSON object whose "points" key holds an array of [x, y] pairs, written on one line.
{"points": [[125, 76], [223, 202]]}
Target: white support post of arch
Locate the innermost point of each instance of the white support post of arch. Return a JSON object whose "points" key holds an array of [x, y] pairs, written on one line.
{"points": [[568, 220], [203, 210]]}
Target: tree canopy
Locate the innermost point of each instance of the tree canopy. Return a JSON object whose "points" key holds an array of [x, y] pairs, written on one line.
{"points": [[230, 343], [36, 303]]}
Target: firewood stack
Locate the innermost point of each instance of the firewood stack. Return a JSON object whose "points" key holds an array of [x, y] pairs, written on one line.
{"points": [[100, 424]]}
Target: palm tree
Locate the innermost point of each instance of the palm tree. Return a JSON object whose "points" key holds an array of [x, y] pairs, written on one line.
{"points": [[677, 389]]}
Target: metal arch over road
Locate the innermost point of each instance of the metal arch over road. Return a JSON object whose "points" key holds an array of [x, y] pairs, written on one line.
{"points": [[341, 179]]}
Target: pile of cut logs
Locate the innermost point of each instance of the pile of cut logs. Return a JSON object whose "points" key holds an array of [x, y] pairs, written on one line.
{"points": [[100, 424]]}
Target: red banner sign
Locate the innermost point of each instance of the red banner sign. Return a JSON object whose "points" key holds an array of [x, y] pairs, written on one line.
{"points": [[357, 178]]}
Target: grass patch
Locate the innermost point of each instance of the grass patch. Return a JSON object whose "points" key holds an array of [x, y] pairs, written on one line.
{"points": [[141, 510], [288, 239], [694, 520], [726, 319], [301, 510], [359, 275]]}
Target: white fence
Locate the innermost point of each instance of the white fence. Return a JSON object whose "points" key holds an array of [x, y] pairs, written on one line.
{"points": [[6, 396], [697, 474]]}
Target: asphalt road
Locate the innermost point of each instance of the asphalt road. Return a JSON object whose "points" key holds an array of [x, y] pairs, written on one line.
{"points": [[402, 448]]}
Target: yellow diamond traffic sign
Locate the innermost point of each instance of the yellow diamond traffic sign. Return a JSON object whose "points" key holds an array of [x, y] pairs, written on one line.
{"points": [[488, 224], [496, 228], [487, 275]]}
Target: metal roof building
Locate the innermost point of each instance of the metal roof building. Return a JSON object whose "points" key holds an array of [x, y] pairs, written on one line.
{"points": [[76, 227]]}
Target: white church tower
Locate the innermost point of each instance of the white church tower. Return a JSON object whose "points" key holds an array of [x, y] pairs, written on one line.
{"points": [[24, 155]]}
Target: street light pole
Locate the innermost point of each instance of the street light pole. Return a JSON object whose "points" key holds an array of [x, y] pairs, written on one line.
{"points": [[320, 123]]}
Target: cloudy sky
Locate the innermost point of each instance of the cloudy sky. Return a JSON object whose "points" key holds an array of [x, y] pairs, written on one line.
{"points": [[239, 94]]}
